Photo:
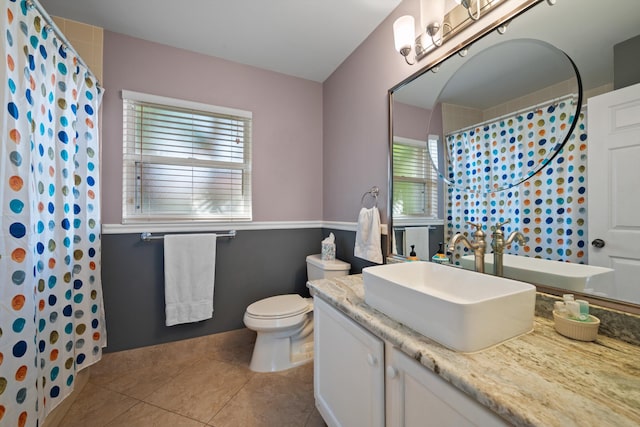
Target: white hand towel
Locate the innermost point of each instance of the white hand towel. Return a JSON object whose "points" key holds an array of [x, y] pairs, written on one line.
{"points": [[189, 274], [368, 240], [419, 238]]}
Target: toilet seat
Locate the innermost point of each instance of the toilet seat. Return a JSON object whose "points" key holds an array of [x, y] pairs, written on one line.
{"points": [[279, 307]]}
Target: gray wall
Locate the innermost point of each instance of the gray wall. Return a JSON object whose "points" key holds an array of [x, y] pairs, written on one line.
{"points": [[253, 265], [626, 63]]}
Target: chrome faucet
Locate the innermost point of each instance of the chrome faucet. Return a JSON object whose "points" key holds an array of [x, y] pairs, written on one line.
{"points": [[478, 246], [499, 243]]}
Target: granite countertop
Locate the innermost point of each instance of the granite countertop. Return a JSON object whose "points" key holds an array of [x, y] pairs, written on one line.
{"points": [[537, 379]]}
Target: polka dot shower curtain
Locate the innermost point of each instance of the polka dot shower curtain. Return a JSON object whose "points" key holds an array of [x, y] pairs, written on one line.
{"points": [[549, 209], [51, 315]]}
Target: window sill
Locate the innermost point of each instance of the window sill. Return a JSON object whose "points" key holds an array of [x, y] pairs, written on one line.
{"points": [[409, 221]]}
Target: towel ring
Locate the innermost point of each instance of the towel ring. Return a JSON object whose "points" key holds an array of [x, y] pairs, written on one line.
{"points": [[373, 193]]}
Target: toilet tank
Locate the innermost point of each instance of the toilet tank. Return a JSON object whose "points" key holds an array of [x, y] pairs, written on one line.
{"points": [[319, 269]]}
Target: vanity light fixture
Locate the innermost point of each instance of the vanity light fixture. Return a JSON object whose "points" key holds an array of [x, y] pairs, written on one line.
{"points": [[404, 36], [437, 27], [432, 20], [467, 5]]}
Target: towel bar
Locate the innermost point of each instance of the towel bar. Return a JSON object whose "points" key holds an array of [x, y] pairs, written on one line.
{"points": [[146, 236], [430, 227]]}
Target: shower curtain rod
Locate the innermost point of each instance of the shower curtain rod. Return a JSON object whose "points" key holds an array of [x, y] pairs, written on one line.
{"points": [[35, 4], [511, 114]]}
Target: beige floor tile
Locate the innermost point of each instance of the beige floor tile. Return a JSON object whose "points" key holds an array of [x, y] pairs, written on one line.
{"points": [[315, 420], [239, 355], [113, 365], [139, 372], [201, 390], [141, 382], [233, 346], [95, 407], [268, 400], [145, 415], [209, 344], [302, 373], [191, 382], [173, 356], [233, 338]]}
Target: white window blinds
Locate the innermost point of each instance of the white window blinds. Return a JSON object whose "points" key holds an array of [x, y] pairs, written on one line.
{"points": [[184, 160], [415, 180]]}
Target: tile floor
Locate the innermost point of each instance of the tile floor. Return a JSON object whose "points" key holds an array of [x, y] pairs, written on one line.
{"points": [[199, 382]]}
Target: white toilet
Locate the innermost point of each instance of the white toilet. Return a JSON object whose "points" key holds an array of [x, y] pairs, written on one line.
{"points": [[284, 323]]}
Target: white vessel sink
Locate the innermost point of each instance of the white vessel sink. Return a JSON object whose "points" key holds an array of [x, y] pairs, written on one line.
{"points": [[462, 310], [565, 275]]}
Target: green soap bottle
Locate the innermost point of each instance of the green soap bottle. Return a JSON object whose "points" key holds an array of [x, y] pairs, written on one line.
{"points": [[440, 257]]}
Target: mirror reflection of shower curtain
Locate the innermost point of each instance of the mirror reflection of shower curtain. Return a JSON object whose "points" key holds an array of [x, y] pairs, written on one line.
{"points": [[52, 315], [549, 209]]}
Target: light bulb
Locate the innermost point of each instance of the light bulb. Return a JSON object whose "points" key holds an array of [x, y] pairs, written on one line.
{"points": [[404, 32]]}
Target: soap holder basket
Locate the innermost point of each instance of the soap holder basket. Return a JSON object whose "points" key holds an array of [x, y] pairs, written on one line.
{"points": [[582, 331]]}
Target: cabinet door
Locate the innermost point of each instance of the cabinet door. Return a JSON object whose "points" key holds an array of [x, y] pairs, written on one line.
{"points": [[418, 397], [348, 370]]}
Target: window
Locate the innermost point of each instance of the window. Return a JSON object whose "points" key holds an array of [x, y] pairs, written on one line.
{"points": [[184, 160], [415, 179]]}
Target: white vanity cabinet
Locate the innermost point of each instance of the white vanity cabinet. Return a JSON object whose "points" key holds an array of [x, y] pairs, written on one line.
{"points": [[416, 396], [349, 382], [348, 370]]}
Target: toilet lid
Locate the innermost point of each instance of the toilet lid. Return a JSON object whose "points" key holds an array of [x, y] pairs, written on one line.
{"points": [[279, 306]]}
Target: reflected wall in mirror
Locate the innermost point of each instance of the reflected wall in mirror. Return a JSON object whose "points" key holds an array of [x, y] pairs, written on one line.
{"points": [[556, 211]]}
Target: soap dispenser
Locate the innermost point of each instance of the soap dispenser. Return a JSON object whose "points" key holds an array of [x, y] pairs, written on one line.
{"points": [[440, 257], [412, 255]]}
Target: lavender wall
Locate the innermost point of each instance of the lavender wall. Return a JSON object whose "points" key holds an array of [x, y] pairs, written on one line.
{"points": [[355, 140], [287, 121], [410, 122]]}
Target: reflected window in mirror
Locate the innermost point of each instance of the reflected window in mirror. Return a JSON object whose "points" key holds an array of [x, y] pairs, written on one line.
{"points": [[415, 180]]}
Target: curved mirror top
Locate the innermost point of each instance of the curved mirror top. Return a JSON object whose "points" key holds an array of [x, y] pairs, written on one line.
{"points": [[505, 114]]}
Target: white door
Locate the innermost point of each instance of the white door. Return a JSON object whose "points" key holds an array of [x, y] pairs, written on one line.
{"points": [[614, 188]]}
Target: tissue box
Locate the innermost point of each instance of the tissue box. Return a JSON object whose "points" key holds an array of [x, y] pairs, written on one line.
{"points": [[328, 251]]}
